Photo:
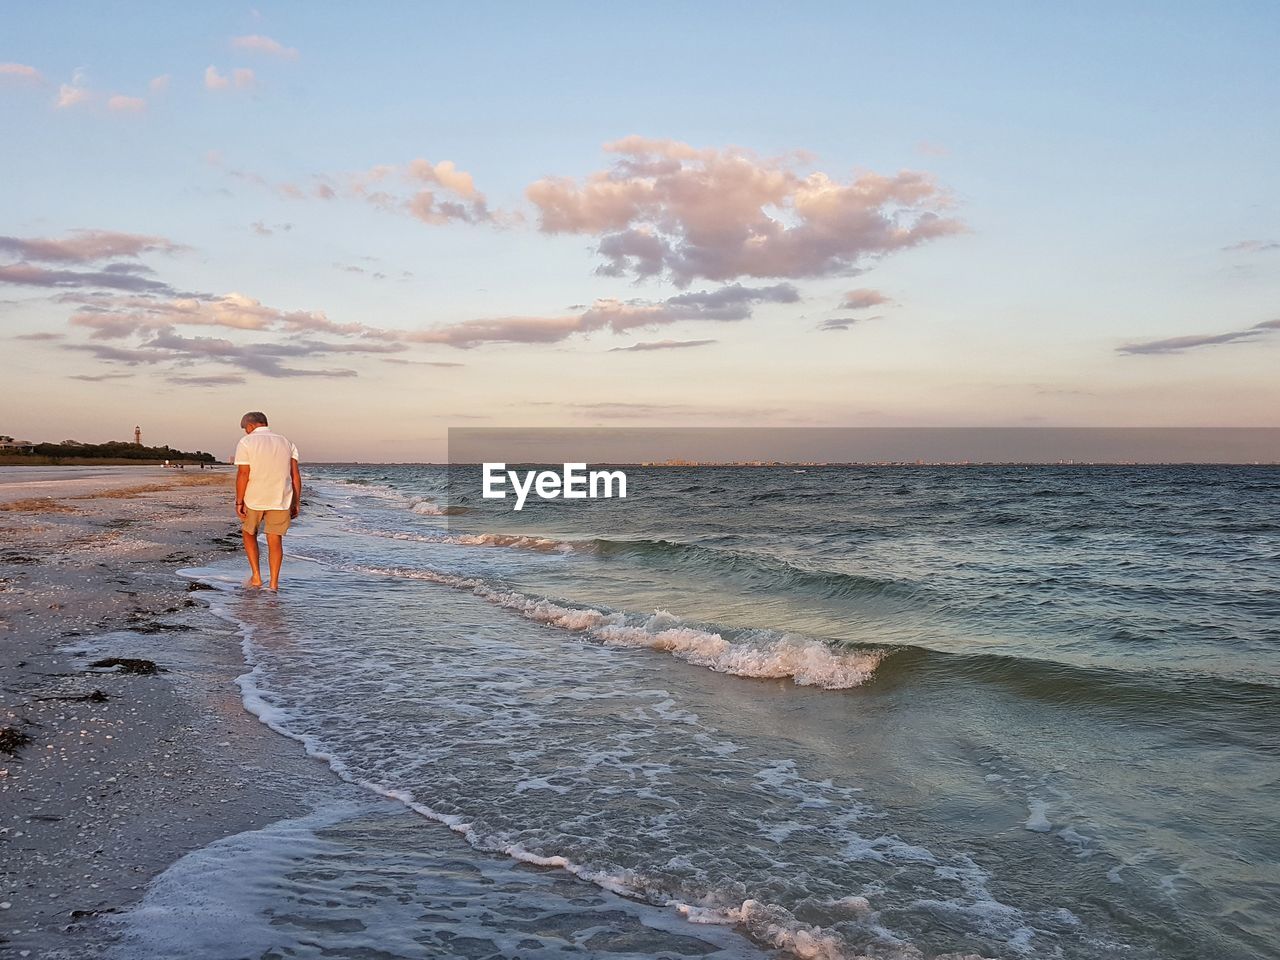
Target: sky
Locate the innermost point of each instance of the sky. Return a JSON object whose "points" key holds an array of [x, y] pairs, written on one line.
{"points": [[377, 223]]}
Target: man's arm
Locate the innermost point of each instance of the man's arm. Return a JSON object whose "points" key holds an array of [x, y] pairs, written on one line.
{"points": [[296, 476], [242, 483]]}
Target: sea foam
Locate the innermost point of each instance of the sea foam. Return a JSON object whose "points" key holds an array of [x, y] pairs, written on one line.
{"points": [[803, 660]]}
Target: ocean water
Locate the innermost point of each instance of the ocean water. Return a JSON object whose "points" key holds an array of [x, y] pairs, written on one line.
{"points": [[838, 712]]}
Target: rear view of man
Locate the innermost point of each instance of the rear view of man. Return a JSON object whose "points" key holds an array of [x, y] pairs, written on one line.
{"points": [[268, 490]]}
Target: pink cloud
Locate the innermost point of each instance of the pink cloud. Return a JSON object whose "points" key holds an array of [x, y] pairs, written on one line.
{"points": [[119, 301], [166, 348], [213, 80], [451, 194], [435, 193], [667, 208], [69, 95], [446, 174], [257, 43], [85, 246], [122, 104], [863, 299], [160, 84], [726, 304], [241, 77], [124, 316], [20, 72], [158, 343]]}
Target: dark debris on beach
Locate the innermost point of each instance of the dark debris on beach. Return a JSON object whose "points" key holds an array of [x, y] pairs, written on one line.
{"points": [[12, 739], [128, 665], [97, 696]]}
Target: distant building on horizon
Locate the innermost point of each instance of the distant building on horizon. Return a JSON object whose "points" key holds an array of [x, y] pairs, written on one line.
{"points": [[10, 445]]}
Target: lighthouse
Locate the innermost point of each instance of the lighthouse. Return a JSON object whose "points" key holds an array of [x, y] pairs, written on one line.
{"points": [[137, 436]]}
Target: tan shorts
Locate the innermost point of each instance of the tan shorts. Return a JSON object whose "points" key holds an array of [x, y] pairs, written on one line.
{"points": [[271, 522]]}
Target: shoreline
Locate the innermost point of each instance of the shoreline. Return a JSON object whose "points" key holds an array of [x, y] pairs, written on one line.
{"points": [[115, 775], [155, 814]]}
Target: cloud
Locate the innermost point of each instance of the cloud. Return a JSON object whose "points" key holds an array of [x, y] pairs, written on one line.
{"points": [[122, 299], [665, 208], [263, 230], [303, 348], [168, 347], [434, 193], [844, 323], [616, 410], [20, 73], [97, 377], [27, 275], [422, 363], [70, 94], [152, 323], [1194, 341], [212, 380], [730, 303], [863, 299], [39, 337], [355, 268], [160, 84], [1252, 246], [123, 317], [444, 173], [662, 345], [612, 410], [257, 43], [116, 354], [1061, 392], [241, 77], [213, 80], [122, 104], [85, 246]]}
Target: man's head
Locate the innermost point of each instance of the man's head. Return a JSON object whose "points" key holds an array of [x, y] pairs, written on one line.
{"points": [[252, 420]]}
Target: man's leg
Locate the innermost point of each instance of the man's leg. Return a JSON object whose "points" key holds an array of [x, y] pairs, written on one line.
{"points": [[275, 556], [251, 551]]}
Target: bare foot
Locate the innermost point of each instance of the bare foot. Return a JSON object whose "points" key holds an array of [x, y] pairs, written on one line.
{"points": [[253, 582], [274, 588]]}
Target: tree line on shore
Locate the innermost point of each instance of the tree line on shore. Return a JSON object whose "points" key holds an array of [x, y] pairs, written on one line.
{"points": [[118, 450]]}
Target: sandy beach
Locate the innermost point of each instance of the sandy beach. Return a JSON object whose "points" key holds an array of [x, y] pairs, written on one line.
{"points": [[109, 775]]}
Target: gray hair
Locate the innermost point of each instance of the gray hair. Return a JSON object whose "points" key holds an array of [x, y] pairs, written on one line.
{"points": [[253, 416]]}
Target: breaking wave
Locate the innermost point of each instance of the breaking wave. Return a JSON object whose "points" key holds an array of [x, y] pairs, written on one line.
{"points": [[766, 655]]}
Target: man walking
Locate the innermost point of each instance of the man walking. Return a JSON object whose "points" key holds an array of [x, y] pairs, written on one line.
{"points": [[268, 490]]}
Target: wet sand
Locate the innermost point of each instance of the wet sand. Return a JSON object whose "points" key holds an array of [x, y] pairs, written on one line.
{"points": [[108, 776]]}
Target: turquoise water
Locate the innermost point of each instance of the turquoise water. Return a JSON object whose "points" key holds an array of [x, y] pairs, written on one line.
{"points": [[890, 712]]}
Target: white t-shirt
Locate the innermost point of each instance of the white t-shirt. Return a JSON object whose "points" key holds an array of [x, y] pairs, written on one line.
{"points": [[268, 457]]}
